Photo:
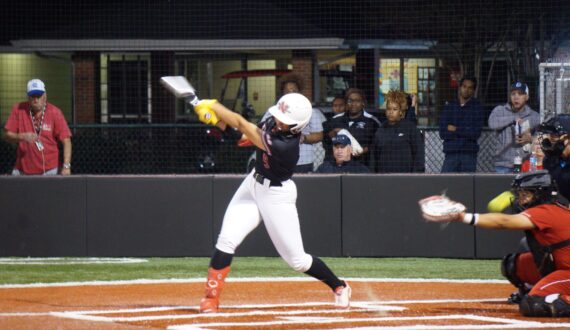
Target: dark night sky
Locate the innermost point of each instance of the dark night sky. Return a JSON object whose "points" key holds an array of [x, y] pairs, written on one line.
{"points": [[355, 19]]}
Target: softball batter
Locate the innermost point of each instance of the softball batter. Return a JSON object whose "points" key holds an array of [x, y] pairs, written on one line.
{"points": [[267, 194]]}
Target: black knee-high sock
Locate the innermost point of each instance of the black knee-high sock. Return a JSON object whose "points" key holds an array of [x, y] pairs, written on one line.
{"points": [[221, 260], [322, 272]]}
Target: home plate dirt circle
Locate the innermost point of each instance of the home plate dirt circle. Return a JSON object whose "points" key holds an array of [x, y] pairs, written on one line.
{"points": [[282, 303]]}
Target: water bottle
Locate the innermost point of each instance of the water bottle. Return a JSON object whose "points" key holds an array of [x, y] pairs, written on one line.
{"points": [[533, 161], [517, 163]]}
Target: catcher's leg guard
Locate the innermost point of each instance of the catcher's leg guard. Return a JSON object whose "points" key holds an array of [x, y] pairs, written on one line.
{"points": [[509, 270], [214, 285], [535, 306]]}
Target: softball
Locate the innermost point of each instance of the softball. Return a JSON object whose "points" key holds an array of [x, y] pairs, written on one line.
{"points": [[501, 202]]}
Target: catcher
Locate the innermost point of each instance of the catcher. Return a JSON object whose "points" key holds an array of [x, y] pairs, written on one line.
{"points": [[542, 275]]}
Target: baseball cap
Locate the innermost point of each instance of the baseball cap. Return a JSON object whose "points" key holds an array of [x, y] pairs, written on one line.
{"points": [[518, 85], [36, 87], [341, 139]]}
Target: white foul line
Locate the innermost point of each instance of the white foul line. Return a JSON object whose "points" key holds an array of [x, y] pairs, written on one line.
{"points": [[69, 261], [246, 280]]}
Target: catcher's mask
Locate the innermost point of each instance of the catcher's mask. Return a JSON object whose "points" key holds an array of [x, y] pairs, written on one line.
{"points": [[557, 126], [539, 184]]}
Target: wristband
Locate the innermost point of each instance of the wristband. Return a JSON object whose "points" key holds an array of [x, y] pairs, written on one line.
{"points": [[471, 218], [66, 165]]}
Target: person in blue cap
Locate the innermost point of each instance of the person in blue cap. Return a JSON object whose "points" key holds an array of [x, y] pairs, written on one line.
{"points": [[513, 123], [38, 127], [342, 163]]}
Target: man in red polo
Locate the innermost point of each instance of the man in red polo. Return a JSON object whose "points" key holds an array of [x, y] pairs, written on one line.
{"points": [[37, 127]]}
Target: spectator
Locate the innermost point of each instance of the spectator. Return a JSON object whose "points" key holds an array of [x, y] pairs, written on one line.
{"points": [[460, 126], [338, 105], [358, 122], [554, 137], [312, 134], [513, 123], [343, 163], [399, 146], [37, 126]]}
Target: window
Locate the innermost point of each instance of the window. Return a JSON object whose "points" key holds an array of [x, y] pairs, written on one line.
{"points": [[125, 89], [414, 76]]}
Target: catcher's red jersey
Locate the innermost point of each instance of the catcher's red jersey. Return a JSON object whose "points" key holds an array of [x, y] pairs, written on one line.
{"points": [[553, 226]]}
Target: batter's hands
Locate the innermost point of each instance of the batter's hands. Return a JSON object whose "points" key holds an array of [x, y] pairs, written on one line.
{"points": [[65, 171], [205, 113]]}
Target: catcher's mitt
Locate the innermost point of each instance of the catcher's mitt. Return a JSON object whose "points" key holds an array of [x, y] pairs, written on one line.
{"points": [[441, 209]]}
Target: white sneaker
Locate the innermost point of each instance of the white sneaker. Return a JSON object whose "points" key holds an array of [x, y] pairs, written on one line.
{"points": [[342, 296]]}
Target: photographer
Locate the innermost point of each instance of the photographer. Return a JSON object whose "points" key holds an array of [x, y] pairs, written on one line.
{"points": [[554, 140]]}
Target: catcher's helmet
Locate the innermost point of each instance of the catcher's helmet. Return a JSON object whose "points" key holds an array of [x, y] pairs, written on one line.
{"points": [[539, 183], [293, 109]]}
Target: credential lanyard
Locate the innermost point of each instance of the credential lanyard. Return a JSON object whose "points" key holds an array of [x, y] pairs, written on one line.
{"points": [[38, 130]]}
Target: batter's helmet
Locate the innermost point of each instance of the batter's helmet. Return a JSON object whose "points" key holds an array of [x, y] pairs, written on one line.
{"points": [[293, 109]]}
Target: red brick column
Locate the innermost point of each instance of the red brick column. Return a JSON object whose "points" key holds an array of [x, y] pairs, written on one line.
{"points": [[86, 87]]}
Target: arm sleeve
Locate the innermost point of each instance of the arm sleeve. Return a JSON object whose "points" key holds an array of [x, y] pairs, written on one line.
{"points": [[338, 122], [473, 131], [417, 144], [376, 148], [444, 134], [12, 122], [497, 120], [61, 129], [315, 123], [540, 216], [411, 115]]}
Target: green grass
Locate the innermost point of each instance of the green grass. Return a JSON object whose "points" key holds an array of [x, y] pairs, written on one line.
{"points": [[181, 268]]}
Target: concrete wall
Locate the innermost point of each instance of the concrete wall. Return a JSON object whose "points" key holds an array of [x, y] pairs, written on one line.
{"points": [[341, 215]]}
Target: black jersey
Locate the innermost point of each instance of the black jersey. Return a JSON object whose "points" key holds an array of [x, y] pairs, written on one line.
{"points": [[279, 161]]}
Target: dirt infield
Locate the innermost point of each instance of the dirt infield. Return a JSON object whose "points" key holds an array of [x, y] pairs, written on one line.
{"points": [[280, 304]]}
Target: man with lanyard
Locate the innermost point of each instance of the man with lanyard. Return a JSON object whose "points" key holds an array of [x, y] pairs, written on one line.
{"points": [[37, 126]]}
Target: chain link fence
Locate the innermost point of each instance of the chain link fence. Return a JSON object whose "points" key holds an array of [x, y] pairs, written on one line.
{"points": [[190, 148]]}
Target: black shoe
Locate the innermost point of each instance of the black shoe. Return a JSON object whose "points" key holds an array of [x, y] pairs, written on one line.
{"points": [[515, 298]]}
